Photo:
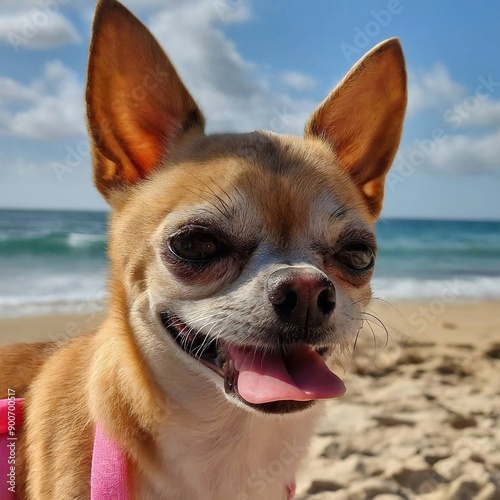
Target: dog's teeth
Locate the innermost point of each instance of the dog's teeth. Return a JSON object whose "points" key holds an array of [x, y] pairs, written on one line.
{"points": [[230, 377], [220, 360]]}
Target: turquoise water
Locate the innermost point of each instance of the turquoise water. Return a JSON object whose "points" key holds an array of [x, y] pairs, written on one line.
{"points": [[425, 259], [51, 261], [55, 261]]}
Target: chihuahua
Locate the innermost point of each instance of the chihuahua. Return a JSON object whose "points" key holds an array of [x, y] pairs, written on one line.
{"points": [[240, 265]]}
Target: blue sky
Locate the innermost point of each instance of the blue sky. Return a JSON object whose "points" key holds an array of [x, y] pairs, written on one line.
{"points": [[253, 64]]}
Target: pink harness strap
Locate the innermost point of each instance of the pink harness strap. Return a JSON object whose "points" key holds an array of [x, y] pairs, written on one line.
{"points": [[109, 464], [109, 469]]}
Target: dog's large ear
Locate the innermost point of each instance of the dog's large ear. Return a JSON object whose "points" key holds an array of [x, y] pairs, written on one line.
{"points": [[362, 119], [137, 106]]}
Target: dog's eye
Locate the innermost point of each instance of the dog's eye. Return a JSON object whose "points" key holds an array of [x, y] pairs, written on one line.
{"points": [[356, 256], [195, 246]]}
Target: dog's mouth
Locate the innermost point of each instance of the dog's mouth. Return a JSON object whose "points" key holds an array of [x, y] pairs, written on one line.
{"points": [[280, 381]]}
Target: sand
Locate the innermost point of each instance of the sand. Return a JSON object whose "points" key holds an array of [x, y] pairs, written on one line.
{"points": [[420, 419]]}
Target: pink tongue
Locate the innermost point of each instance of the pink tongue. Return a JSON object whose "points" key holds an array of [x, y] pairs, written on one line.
{"points": [[300, 375]]}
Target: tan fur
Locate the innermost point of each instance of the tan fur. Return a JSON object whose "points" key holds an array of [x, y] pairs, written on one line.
{"points": [[21, 364], [157, 169]]}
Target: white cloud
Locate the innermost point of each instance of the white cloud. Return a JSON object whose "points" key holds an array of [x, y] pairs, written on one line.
{"points": [[228, 88], [138, 4], [227, 11], [466, 154], [475, 111], [298, 81], [36, 29], [16, 4], [50, 107], [432, 89], [453, 152]]}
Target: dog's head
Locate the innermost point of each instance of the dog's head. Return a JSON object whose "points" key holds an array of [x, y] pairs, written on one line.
{"points": [[248, 255]]}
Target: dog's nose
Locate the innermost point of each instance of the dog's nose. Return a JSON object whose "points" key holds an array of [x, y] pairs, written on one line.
{"points": [[303, 297]]}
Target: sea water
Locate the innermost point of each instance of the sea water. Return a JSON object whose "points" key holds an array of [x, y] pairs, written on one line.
{"points": [[55, 261]]}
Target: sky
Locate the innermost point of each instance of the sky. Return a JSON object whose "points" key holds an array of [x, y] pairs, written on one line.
{"points": [[256, 64]]}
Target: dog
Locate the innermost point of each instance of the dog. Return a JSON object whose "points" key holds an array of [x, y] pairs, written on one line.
{"points": [[240, 265]]}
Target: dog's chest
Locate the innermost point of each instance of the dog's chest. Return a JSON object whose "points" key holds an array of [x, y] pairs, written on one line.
{"points": [[251, 458]]}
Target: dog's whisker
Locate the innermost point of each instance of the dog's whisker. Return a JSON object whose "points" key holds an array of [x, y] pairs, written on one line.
{"points": [[226, 205], [217, 207], [227, 210], [207, 340], [372, 331], [356, 339], [378, 321]]}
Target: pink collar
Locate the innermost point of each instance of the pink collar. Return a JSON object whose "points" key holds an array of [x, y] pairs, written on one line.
{"points": [[109, 464]]}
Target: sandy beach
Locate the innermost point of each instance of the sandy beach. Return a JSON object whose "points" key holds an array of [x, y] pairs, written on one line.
{"points": [[420, 419]]}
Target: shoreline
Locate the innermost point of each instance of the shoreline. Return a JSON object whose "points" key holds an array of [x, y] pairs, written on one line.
{"points": [[419, 320]]}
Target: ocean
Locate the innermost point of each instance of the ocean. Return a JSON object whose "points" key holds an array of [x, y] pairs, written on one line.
{"points": [[55, 261]]}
